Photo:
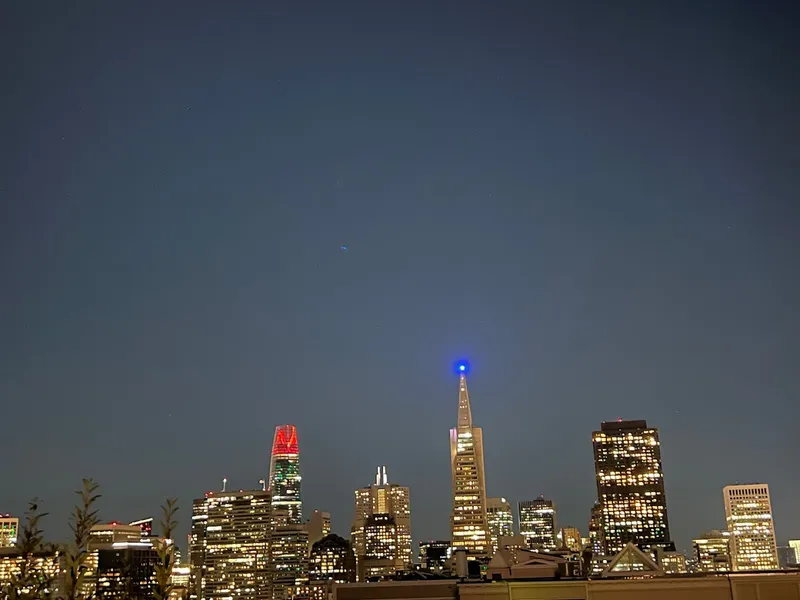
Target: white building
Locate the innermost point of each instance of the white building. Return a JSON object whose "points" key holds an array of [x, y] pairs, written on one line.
{"points": [[748, 511]]}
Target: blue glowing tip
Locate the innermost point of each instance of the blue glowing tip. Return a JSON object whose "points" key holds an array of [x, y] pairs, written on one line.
{"points": [[462, 367]]}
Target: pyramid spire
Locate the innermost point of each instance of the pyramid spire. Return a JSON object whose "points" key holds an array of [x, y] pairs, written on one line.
{"points": [[464, 410]]}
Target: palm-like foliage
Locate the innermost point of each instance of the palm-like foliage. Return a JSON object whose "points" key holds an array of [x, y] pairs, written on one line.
{"points": [[165, 548], [84, 517], [33, 581]]}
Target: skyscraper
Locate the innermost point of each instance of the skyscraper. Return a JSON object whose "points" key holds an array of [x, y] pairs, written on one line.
{"points": [[468, 523], [284, 473], [537, 523], [748, 511], [712, 551], [230, 546], [389, 503], [500, 520], [630, 485]]}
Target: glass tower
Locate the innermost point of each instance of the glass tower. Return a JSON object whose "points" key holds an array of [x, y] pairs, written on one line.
{"points": [[284, 474]]}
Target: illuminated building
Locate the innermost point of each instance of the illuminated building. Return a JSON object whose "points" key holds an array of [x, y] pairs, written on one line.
{"points": [[537, 523], [500, 520], [145, 526], [318, 526], [570, 539], [596, 529], [712, 552], [8, 531], [126, 570], [672, 563], [331, 561], [388, 500], [380, 558], [284, 473], [748, 512], [630, 485], [289, 562], [230, 546], [104, 536], [11, 563], [468, 524], [433, 555]]}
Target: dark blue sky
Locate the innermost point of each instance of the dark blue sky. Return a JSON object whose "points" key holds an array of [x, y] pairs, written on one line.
{"points": [[594, 202]]}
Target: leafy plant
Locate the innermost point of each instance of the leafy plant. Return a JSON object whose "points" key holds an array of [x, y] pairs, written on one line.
{"points": [[34, 580], [165, 548], [83, 518]]}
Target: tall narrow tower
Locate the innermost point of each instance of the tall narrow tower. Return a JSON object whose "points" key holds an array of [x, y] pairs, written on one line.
{"points": [[468, 522], [284, 474]]}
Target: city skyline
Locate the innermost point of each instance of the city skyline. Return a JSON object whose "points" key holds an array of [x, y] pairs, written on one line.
{"points": [[285, 474], [304, 215]]}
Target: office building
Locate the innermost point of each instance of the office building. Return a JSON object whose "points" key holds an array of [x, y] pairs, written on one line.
{"points": [[570, 539], [596, 530], [284, 473], [468, 524], [786, 558], [712, 552], [390, 502], [126, 571], [630, 486], [318, 526], [433, 555], [331, 561], [230, 546], [500, 520], [47, 564], [380, 558], [748, 512], [537, 523], [8, 531], [289, 562]]}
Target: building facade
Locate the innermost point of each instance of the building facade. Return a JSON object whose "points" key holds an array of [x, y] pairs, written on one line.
{"points": [[392, 503], [9, 526], [468, 523], [433, 555], [570, 539], [318, 526], [795, 547], [331, 561], [596, 529], [537, 523], [500, 519], [289, 562], [284, 473], [630, 485], [712, 552], [230, 546], [126, 571], [748, 512]]}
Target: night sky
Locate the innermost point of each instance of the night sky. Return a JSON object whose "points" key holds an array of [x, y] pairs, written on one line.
{"points": [[594, 202]]}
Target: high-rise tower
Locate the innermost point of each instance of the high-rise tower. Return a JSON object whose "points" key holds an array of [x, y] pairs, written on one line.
{"points": [[381, 532], [284, 474], [630, 485], [748, 511], [468, 522]]}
